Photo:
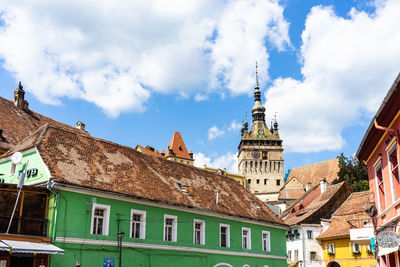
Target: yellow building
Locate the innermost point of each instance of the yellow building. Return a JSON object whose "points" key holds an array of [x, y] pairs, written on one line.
{"points": [[338, 249]]}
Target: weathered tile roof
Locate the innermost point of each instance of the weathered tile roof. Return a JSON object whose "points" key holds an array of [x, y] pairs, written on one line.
{"points": [[313, 173], [16, 124], [78, 159], [315, 205], [290, 193], [148, 151], [350, 215]]}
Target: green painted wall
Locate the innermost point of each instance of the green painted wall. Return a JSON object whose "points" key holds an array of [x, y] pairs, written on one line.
{"points": [[34, 162], [74, 218]]}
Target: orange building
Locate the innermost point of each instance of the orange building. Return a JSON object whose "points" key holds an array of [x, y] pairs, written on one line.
{"points": [[379, 151]]}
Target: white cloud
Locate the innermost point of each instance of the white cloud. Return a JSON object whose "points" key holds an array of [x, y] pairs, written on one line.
{"points": [[348, 65], [115, 54], [228, 161], [200, 97], [214, 132], [235, 126]]}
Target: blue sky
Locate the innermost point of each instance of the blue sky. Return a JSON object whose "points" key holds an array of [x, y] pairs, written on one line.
{"points": [[136, 72]]}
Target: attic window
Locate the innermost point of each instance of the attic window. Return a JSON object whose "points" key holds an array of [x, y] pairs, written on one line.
{"points": [[301, 207], [180, 148], [256, 205], [183, 188]]}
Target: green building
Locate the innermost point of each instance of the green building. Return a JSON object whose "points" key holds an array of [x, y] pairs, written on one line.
{"points": [[165, 213]]}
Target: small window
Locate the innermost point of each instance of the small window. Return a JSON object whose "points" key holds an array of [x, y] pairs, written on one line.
{"points": [[265, 181], [199, 232], [170, 228], [224, 235], [309, 234], [356, 247], [331, 247], [258, 181], [249, 181], [246, 238], [100, 219], [138, 224], [296, 255], [266, 244], [313, 256], [381, 187], [289, 256], [278, 182], [12, 170]]}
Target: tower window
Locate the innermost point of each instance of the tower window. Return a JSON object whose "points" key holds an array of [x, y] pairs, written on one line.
{"points": [[258, 181], [278, 182], [265, 181], [249, 181]]}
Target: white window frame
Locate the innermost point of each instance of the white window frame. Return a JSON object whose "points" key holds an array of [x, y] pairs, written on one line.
{"points": [[106, 219], [296, 255], [331, 247], [142, 213], [248, 240], [309, 237], [202, 232], [353, 247], [393, 149], [315, 253], [228, 235], [289, 255], [267, 246], [174, 227], [376, 168]]}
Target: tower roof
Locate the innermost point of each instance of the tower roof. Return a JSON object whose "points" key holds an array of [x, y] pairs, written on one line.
{"points": [[176, 147]]}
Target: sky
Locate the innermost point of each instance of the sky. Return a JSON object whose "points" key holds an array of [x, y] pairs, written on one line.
{"points": [[136, 71]]}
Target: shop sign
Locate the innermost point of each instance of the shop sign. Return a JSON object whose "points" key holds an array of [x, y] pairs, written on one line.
{"points": [[108, 262], [388, 239]]}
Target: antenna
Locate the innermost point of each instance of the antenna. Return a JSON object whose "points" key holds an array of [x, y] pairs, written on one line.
{"points": [[16, 157]]}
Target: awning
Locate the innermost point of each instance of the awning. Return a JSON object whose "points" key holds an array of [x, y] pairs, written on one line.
{"points": [[4, 247], [384, 251], [32, 247]]}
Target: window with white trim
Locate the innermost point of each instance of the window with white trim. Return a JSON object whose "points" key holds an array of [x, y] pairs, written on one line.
{"points": [[170, 228], [289, 256], [394, 171], [100, 219], [313, 256], [246, 238], [224, 235], [266, 241], [138, 224], [296, 255], [355, 247], [331, 247], [309, 234], [199, 232], [381, 187]]}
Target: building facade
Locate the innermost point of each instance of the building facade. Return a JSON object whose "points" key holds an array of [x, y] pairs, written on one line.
{"points": [[260, 155], [379, 152], [107, 200]]}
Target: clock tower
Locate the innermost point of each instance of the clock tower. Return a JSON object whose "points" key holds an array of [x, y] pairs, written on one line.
{"points": [[261, 153]]}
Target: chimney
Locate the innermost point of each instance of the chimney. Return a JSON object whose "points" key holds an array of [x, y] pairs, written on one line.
{"points": [[308, 186], [150, 148], [323, 185], [191, 154], [19, 95], [80, 125], [163, 153]]}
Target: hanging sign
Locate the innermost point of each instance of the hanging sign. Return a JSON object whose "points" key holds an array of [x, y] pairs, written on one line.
{"points": [[388, 239], [108, 262]]}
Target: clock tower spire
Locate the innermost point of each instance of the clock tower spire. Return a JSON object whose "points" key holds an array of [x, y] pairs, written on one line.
{"points": [[261, 153]]}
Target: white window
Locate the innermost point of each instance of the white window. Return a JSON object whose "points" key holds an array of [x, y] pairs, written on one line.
{"points": [[380, 187], [355, 247], [224, 235], [138, 224], [266, 243], [313, 256], [296, 255], [309, 234], [331, 248], [100, 219], [170, 227], [199, 232], [289, 256], [246, 238]]}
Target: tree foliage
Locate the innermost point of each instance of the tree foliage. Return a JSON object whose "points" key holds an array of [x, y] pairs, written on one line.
{"points": [[353, 173]]}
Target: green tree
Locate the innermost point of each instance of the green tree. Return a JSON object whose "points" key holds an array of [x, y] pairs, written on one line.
{"points": [[353, 173]]}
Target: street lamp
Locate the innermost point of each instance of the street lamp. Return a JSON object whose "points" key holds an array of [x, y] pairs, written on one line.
{"points": [[120, 236]]}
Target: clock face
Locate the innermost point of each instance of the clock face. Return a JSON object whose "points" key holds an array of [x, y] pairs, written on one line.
{"points": [[255, 154]]}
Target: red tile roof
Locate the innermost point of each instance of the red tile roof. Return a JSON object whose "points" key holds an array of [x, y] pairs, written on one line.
{"points": [[17, 124], [81, 160], [350, 215], [178, 147]]}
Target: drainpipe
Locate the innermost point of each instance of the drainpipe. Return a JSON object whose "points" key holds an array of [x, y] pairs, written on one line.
{"points": [[304, 246], [390, 130]]}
